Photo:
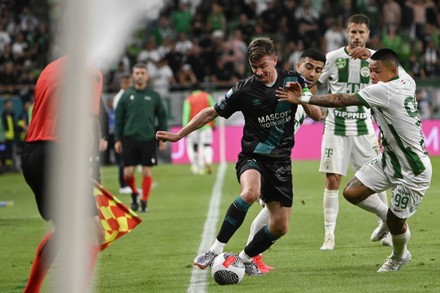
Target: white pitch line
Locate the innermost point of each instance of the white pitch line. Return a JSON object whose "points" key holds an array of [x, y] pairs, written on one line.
{"points": [[198, 277]]}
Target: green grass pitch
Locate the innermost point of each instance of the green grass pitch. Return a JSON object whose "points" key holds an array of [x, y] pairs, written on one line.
{"points": [[157, 256]]}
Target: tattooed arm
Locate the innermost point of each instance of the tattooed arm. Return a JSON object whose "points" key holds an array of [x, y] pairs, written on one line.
{"points": [[292, 93], [333, 100]]}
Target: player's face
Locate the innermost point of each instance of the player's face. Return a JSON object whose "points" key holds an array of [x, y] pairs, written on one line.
{"points": [[140, 77], [358, 34], [310, 69], [264, 69], [381, 72]]}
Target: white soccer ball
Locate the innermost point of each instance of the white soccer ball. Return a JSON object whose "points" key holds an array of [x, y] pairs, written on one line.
{"points": [[227, 269]]}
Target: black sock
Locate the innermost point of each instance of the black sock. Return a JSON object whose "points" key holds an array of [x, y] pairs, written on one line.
{"points": [[233, 219], [261, 242]]}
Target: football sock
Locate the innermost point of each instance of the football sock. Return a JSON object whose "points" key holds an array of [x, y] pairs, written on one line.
{"points": [[331, 209], [259, 222], [383, 197], [244, 257], [374, 205], [208, 154], [217, 247], [261, 242], [42, 262], [400, 242], [233, 219], [201, 158], [146, 187], [131, 181]]}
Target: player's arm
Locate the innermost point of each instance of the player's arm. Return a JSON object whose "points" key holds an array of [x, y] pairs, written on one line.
{"points": [[293, 94], [203, 117], [314, 112]]}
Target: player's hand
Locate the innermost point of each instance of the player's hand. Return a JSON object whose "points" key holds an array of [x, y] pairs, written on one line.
{"points": [[167, 136], [118, 147], [162, 145], [359, 53], [103, 144], [290, 93]]}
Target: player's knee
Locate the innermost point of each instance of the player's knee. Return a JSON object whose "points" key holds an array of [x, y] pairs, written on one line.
{"points": [[350, 195], [250, 195], [279, 230]]}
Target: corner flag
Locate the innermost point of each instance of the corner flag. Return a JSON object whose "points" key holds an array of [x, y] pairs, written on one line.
{"points": [[116, 218]]}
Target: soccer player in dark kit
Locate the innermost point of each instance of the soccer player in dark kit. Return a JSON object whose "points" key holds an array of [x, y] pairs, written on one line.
{"points": [[264, 163]]}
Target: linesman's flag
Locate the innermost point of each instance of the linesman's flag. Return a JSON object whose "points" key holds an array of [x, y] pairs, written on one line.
{"points": [[116, 218]]}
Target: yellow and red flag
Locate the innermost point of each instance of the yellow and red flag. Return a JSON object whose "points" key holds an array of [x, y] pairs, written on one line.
{"points": [[116, 218]]}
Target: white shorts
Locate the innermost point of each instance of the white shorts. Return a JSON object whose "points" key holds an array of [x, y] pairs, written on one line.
{"points": [[338, 151], [201, 136], [407, 192]]}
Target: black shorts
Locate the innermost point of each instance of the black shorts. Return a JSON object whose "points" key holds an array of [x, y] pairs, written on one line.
{"points": [[276, 177], [35, 163], [137, 152]]}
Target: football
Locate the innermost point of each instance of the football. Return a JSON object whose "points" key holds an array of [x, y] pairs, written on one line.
{"points": [[227, 269]]}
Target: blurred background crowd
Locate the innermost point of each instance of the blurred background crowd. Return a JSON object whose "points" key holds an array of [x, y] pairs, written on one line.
{"points": [[204, 43]]}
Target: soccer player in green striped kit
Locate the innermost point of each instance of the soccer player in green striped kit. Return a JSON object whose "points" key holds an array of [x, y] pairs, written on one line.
{"points": [[348, 134]]}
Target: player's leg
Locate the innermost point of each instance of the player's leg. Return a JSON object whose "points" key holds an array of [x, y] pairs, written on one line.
{"points": [[131, 155], [405, 200], [277, 193], [208, 153], [191, 151], [335, 159], [250, 184], [259, 222], [34, 163], [365, 149], [266, 236], [149, 159], [330, 205]]}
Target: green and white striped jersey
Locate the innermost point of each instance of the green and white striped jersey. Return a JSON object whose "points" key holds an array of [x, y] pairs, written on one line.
{"points": [[346, 75], [394, 108]]}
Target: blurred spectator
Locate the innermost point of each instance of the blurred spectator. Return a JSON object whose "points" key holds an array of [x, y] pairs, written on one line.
{"points": [[431, 59], [198, 25], [391, 14], [183, 44], [419, 9], [182, 17], [9, 77], [270, 18], [238, 48], [224, 74], [163, 30], [19, 48], [416, 67], [198, 62], [245, 27], [216, 18], [424, 104], [23, 125], [308, 19], [9, 124], [28, 21], [334, 37], [5, 38], [185, 76], [295, 51], [163, 78], [390, 38], [150, 55], [26, 84]]}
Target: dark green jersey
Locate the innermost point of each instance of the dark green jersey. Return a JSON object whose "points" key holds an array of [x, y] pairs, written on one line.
{"points": [[139, 114]]}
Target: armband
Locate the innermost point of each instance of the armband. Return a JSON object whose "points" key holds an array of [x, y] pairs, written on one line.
{"points": [[305, 97]]}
